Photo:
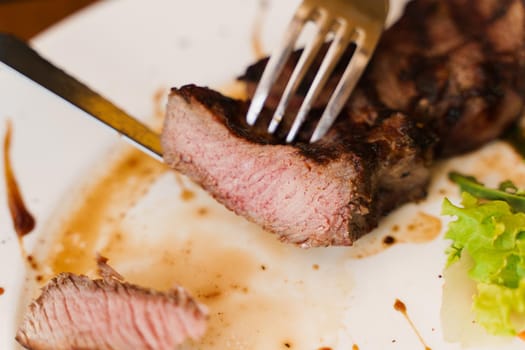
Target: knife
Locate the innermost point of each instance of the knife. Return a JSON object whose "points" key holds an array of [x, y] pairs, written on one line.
{"points": [[18, 55]]}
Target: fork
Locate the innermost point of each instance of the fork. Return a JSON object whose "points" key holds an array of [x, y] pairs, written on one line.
{"points": [[357, 22]]}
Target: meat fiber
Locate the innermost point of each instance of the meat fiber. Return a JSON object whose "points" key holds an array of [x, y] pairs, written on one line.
{"points": [[75, 312], [446, 79]]}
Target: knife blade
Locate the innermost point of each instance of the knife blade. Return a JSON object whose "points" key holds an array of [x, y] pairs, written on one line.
{"points": [[18, 55]]}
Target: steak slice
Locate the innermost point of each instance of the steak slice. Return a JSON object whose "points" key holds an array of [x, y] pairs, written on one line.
{"points": [[310, 195], [445, 79], [75, 312]]}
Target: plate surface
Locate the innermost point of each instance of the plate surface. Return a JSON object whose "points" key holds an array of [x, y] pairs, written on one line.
{"points": [[159, 229]]}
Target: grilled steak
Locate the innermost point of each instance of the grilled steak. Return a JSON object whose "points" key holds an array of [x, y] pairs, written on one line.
{"points": [[75, 312], [446, 79]]}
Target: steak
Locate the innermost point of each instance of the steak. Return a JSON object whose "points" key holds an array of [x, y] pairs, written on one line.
{"points": [[447, 78], [75, 312]]}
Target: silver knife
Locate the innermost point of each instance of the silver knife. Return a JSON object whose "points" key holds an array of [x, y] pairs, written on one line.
{"points": [[21, 57]]}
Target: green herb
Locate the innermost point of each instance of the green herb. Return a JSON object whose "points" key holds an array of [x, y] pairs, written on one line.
{"points": [[490, 227], [507, 191]]}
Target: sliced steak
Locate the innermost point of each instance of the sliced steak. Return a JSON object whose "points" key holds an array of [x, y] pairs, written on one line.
{"points": [[445, 79], [312, 195], [75, 312]]}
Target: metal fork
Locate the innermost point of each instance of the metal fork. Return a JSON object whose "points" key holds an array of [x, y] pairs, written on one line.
{"points": [[358, 22]]}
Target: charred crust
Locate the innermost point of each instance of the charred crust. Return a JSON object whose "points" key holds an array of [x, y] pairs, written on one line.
{"points": [[457, 98]]}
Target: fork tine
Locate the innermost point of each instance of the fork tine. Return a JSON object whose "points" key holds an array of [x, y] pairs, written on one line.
{"points": [[338, 46], [344, 88], [276, 64], [308, 55]]}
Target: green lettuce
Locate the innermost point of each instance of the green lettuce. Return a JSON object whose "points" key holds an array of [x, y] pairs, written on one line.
{"points": [[499, 309], [492, 232]]}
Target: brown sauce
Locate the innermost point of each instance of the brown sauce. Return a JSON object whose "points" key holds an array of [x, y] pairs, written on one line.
{"points": [[202, 211], [185, 193], [2, 291], [102, 208], [187, 262], [421, 229], [417, 227], [31, 262], [401, 307], [221, 275], [389, 240], [217, 275], [23, 220]]}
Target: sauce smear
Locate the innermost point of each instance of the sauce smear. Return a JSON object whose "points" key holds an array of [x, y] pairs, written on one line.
{"points": [[419, 228], [2, 291], [23, 221], [104, 206], [401, 307], [149, 222], [422, 228]]}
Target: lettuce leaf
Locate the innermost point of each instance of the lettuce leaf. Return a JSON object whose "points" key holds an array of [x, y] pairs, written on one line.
{"points": [[500, 309], [492, 232]]}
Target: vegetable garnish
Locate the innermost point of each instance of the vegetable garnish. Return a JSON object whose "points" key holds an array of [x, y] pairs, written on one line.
{"points": [[506, 191], [490, 228]]}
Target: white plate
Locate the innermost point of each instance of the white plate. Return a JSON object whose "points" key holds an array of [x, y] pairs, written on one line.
{"points": [[127, 50]]}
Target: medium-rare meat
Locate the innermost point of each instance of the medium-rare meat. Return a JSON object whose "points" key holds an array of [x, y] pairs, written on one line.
{"points": [[75, 312], [445, 79]]}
